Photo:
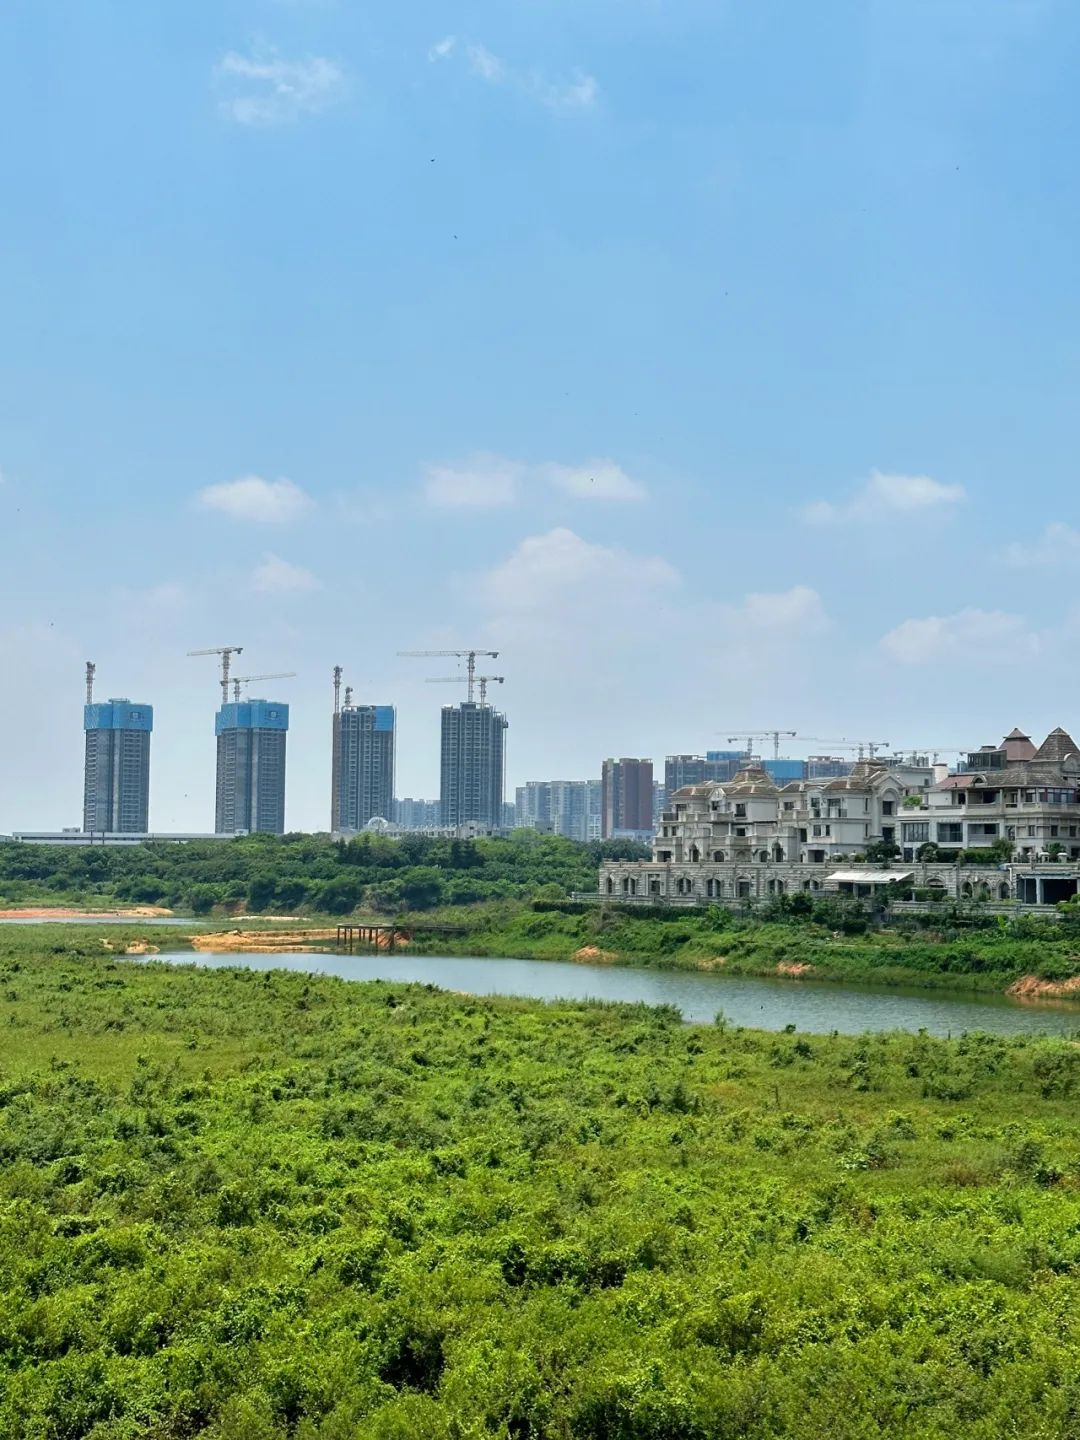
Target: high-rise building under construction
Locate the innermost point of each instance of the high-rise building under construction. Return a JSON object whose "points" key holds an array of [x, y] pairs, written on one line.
{"points": [[363, 766], [116, 779], [251, 737], [473, 765]]}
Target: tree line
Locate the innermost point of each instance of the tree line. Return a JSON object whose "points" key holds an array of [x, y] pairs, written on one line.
{"points": [[262, 873]]}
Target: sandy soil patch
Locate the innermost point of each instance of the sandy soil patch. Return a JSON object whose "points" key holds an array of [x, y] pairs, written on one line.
{"points": [[61, 912], [1030, 987], [260, 942], [794, 968], [593, 955]]}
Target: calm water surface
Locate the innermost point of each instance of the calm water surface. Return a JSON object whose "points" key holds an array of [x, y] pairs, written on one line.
{"points": [[763, 1004]]}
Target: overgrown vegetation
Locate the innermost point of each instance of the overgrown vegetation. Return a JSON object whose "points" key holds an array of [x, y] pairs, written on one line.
{"points": [[833, 937], [266, 873], [282, 1208]]}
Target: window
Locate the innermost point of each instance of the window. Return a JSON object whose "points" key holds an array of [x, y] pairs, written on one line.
{"points": [[789, 805], [915, 832], [950, 832], [740, 812], [817, 832], [888, 807]]}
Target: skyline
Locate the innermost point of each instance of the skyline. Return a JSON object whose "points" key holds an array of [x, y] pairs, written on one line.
{"points": [[713, 366]]}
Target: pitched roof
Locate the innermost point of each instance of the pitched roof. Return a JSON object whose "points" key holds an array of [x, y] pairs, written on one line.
{"points": [[1057, 746], [751, 780]]}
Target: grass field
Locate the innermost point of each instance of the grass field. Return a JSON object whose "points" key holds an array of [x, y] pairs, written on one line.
{"points": [[244, 1206]]}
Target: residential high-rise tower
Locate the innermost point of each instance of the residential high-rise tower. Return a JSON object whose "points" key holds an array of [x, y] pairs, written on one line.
{"points": [[251, 737], [116, 779], [627, 797], [363, 786], [473, 765]]}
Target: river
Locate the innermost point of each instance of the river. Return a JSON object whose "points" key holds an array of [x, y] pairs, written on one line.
{"points": [[763, 1004]]}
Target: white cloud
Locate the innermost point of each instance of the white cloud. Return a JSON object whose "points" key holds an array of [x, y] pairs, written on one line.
{"points": [[492, 481], [778, 614], [1059, 544], [271, 91], [275, 576], [443, 48], [580, 93], [269, 502], [484, 482], [991, 635], [884, 496], [549, 572], [594, 480]]}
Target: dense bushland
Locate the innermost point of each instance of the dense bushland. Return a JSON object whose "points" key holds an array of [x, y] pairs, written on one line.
{"points": [[253, 1205], [265, 872]]}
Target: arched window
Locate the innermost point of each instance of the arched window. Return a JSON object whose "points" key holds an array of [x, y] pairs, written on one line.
{"points": [[633, 887], [695, 854], [778, 853], [1003, 891], [763, 856], [965, 890], [610, 886], [718, 857]]}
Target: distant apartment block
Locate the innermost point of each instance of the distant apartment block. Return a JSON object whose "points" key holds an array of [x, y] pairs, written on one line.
{"points": [[363, 772], [828, 767], [594, 810], [717, 765], [556, 807], [473, 765], [116, 777], [417, 814], [251, 736], [626, 798]]}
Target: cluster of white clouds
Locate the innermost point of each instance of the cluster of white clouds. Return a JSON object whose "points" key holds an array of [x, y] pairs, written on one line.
{"points": [[265, 89], [550, 580], [486, 482], [580, 93], [251, 500]]}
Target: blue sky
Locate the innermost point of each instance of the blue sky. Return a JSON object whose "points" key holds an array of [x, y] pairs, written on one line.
{"points": [[714, 360]]}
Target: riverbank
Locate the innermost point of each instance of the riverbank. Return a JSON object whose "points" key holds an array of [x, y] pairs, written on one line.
{"points": [[281, 1205], [1045, 957]]}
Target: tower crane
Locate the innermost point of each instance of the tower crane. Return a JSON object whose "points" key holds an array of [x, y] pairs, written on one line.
{"points": [[226, 652], [773, 735], [91, 670], [482, 681], [469, 656], [238, 680], [862, 747]]}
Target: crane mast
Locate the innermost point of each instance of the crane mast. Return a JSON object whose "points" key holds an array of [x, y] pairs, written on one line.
{"points": [[226, 652], [469, 656]]}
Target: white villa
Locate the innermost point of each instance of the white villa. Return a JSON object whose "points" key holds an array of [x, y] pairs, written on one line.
{"points": [[748, 838]]}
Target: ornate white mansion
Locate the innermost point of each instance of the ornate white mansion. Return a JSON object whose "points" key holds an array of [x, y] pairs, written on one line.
{"points": [[747, 838]]}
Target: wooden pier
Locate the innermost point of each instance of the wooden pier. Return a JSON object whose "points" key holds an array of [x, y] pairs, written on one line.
{"points": [[388, 937]]}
